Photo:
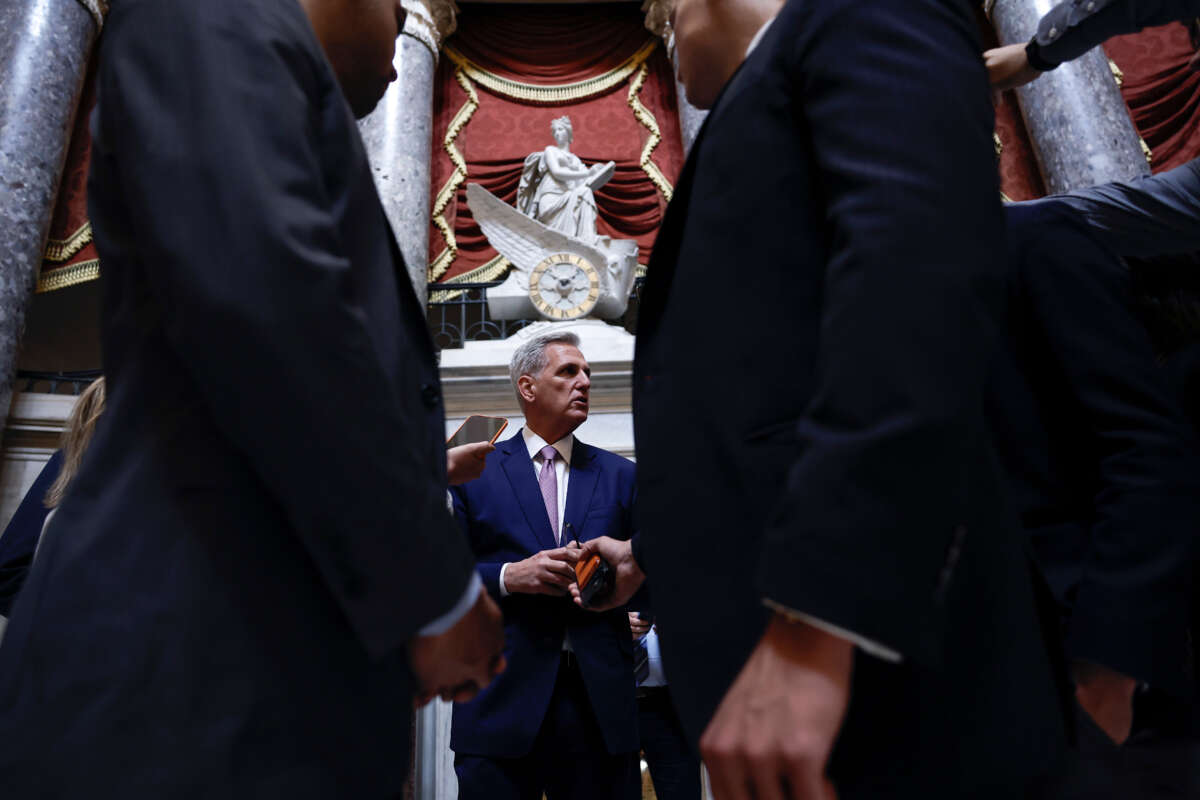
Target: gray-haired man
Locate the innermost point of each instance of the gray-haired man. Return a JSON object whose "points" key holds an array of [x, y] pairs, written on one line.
{"points": [[563, 719]]}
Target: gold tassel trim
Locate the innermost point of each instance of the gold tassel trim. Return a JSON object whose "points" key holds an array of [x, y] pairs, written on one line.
{"points": [[1117, 74], [60, 250], [551, 95], [442, 263], [61, 278], [648, 121], [493, 270]]}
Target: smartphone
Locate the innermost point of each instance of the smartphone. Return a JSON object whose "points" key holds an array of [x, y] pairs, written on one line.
{"points": [[478, 428]]}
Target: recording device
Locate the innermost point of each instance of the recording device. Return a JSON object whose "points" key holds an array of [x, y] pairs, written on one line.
{"points": [[478, 428]]}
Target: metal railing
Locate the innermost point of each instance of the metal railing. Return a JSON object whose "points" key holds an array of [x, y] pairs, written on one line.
{"points": [[78, 380], [458, 313]]}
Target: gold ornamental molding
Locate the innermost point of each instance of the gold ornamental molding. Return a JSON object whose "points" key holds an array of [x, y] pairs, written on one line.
{"points": [[648, 121], [60, 250], [442, 263], [493, 270], [61, 278], [551, 95], [430, 22]]}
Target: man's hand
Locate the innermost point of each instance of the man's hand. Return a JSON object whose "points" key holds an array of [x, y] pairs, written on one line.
{"points": [[629, 576], [457, 664], [1107, 696], [466, 462], [547, 572], [638, 626], [773, 732], [1008, 67]]}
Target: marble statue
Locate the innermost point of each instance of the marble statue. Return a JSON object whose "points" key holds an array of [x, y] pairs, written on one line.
{"points": [[556, 188], [562, 269]]}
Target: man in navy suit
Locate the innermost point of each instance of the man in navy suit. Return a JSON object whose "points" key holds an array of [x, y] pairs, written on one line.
{"points": [[563, 718]]}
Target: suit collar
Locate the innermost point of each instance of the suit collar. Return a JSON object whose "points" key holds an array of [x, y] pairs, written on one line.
{"points": [[518, 468], [534, 445], [581, 485], [661, 269]]}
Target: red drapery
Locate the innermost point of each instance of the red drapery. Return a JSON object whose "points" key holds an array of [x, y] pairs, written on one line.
{"points": [[71, 256], [492, 131], [1162, 92]]}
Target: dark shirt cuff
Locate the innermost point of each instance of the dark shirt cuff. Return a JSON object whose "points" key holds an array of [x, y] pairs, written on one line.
{"points": [[1033, 52]]}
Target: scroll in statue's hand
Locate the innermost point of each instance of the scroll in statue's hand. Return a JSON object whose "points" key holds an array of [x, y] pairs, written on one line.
{"points": [[600, 174]]}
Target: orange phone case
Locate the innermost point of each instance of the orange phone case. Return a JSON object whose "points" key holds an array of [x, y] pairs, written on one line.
{"points": [[584, 570]]}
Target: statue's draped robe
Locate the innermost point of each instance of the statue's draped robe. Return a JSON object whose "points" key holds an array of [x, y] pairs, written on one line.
{"points": [[569, 209]]}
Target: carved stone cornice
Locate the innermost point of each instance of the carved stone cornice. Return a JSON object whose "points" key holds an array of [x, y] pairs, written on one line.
{"points": [[430, 22], [98, 9], [658, 22]]}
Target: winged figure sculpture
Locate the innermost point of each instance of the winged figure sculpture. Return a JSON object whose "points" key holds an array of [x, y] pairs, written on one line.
{"points": [[526, 243]]}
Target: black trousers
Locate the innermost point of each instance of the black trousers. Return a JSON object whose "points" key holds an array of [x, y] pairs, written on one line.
{"points": [[569, 760], [674, 767]]}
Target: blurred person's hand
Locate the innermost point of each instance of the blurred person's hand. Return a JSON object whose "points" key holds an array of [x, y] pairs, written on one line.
{"points": [[629, 576], [638, 626], [547, 572], [466, 462], [457, 664], [1008, 67], [1107, 696], [774, 730]]}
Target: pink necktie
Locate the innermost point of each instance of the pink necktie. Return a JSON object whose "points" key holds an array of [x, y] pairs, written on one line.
{"points": [[548, 481]]}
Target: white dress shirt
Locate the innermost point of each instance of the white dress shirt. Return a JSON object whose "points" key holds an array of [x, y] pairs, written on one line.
{"points": [[655, 677], [759, 35], [562, 472]]}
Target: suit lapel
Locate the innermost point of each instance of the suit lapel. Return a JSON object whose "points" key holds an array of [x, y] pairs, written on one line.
{"points": [[518, 467], [581, 484], [661, 269]]}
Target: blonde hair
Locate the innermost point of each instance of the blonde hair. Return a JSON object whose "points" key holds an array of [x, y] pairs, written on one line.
{"points": [[76, 437]]}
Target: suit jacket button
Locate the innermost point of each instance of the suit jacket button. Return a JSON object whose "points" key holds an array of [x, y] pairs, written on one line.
{"points": [[429, 395]]}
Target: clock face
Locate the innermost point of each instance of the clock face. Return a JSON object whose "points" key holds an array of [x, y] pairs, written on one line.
{"points": [[564, 286]]}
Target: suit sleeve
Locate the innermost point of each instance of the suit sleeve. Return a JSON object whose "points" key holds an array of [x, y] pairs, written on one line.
{"points": [[489, 571], [1151, 216], [895, 99], [1129, 612], [211, 122], [1073, 27]]}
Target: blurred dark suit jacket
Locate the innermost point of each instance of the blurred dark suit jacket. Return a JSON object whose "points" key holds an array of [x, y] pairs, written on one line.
{"points": [[832, 262], [1101, 460], [221, 604]]}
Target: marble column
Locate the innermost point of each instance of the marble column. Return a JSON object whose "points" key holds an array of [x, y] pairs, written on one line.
{"points": [[44, 50], [658, 14], [1079, 126], [398, 134]]}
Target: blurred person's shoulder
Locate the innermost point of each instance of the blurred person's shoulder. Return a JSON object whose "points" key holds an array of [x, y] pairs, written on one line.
{"points": [[220, 21]]}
